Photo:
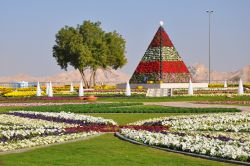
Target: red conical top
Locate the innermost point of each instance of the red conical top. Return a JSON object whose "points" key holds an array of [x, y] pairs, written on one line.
{"points": [[161, 35]]}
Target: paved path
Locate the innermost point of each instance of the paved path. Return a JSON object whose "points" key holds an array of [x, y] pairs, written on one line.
{"points": [[194, 105]]}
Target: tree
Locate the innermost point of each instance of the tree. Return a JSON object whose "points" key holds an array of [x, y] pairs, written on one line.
{"points": [[89, 47]]}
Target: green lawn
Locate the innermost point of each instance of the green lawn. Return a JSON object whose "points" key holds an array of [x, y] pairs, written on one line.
{"points": [[101, 150], [6, 109], [175, 98], [124, 108], [131, 99]]}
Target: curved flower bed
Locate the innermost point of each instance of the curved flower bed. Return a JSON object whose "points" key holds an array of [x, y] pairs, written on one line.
{"points": [[70, 118], [20, 129], [217, 135], [38, 141]]}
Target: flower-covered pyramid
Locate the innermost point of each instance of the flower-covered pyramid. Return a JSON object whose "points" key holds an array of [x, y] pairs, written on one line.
{"points": [[161, 62]]}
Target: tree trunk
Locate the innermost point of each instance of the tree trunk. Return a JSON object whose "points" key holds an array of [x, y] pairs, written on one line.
{"points": [[94, 78], [90, 79], [84, 78]]}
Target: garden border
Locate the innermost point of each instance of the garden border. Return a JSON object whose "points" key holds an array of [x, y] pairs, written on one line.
{"points": [[117, 134]]}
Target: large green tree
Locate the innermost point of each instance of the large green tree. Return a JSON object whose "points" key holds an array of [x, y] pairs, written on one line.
{"points": [[88, 47]]}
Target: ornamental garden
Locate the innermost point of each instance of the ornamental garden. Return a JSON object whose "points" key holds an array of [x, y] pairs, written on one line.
{"points": [[88, 124]]}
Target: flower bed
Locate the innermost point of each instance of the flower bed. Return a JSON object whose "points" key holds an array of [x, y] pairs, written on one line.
{"points": [[210, 91], [70, 118], [223, 102], [114, 128], [217, 135], [20, 129], [21, 93], [35, 104]]}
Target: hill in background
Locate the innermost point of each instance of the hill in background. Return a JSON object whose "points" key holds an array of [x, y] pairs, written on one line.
{"points": [[198, 71]]}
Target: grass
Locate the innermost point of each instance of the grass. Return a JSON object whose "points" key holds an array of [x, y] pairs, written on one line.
{"points": [[131, 99], [102, 150], [124, 108], [124, 118], [6, 109], [175, 99]]}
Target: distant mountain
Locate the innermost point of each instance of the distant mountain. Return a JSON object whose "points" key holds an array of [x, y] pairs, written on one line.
{"points": [[111, 77], [200, 73]]}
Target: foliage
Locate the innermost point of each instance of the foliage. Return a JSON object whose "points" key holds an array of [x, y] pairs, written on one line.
{"points": [[89, 47], [175, 99], [125, 108], [105, 87], [79, 108], [21, 94], [229, 85], [4, 90], [216, 85]]}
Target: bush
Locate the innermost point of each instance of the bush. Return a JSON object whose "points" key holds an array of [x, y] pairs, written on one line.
{"points": [[21, 94], [216, 85], [139, 87]]}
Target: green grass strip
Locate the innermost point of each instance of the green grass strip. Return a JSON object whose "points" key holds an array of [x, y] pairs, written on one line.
{"points": [[125, 108], [175, 99]]}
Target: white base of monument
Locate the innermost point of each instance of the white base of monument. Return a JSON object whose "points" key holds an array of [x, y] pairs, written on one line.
{"points": [[164, 85]]}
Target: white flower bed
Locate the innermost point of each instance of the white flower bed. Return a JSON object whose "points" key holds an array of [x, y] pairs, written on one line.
{"points": [[38, 141], [70, 116], [215, 94], [23, 132], [224, 135], [196, 144], [8, 134], [17, 122], [213, 122]]}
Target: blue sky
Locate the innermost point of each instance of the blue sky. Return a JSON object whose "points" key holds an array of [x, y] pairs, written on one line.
{"points": [[28, 28]]}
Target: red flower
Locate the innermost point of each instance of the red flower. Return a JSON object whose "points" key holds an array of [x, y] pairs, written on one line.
{"points": [[161, 35], [113, 128], [167, 67]]}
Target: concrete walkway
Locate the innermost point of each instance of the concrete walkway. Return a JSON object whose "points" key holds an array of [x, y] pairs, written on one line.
{"points": [[194, 105]]}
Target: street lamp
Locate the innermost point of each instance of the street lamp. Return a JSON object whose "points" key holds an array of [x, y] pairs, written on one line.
{"points": [[209, 68], [161, 24]]}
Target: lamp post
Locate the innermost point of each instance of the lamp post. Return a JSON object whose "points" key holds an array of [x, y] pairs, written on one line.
{"points": [[161, 24], [209, 67]]}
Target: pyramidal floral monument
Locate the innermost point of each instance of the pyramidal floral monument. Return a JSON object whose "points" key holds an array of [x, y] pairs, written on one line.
{"points": [[161, 66]]}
